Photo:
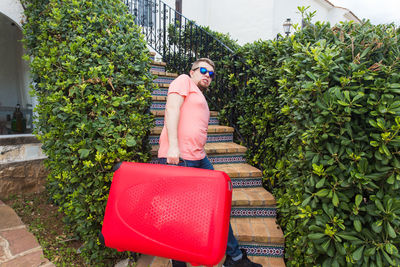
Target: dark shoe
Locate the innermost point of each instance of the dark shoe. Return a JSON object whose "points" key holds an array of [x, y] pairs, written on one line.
{"points": [[178, 263], [243, 262]]}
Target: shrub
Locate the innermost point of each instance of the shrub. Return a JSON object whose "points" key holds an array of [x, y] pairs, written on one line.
{"points": [[319, 112], [90, 67], [324, 122]]}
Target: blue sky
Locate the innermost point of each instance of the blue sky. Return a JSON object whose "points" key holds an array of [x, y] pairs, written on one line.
{"points": [[377, 11]]}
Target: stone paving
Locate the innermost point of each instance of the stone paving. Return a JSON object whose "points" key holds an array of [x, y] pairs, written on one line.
{"points": [[18, 247]]}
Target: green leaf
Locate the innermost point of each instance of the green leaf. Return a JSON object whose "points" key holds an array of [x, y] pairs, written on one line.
{"points": [[357, 254], [320, 183], [316, 236], [390, 230], [391, 249], [357, 225], [83, 153], [335, 199], [358, 200], [322, 193], [130, 141]]}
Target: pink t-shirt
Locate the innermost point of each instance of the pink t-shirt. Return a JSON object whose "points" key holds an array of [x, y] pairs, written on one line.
{"points": [[193, 121]]}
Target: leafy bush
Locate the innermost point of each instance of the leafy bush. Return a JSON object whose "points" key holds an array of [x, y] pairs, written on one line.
{"points": [[319, 112], [91, 67], [324, 121]]}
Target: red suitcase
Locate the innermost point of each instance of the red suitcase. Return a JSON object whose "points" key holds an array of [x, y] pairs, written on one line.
{"points": [[168, 211]]}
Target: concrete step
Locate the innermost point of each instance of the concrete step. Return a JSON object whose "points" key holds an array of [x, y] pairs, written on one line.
{"points": [[252, 197], [215, 148], [242, 170], [164, 74], [263, 231]]}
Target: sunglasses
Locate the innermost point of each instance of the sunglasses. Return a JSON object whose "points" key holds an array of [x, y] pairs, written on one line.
{"points": [[204, 71]]}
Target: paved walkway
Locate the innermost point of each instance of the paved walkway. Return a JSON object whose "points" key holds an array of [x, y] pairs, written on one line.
{"points": [[18, 247]]}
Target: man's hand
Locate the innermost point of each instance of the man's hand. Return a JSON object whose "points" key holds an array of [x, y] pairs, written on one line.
{"points": [[173, 155]]}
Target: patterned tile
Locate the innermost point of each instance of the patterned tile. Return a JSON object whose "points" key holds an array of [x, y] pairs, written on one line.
{"points": [[157, 68], [226, 159], [211, 138], [164, 79], [247, 182], [253, 212], [267, 251], [162, 92]]}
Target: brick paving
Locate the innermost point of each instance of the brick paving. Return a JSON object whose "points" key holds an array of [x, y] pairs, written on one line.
{"points": [[18, 247]]}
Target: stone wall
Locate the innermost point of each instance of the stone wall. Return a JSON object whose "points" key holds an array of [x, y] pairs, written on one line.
{"points": [[21, 165]]}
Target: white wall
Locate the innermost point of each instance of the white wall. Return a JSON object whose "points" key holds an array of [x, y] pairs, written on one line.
{"points": [[13, 10], [250, 20]]}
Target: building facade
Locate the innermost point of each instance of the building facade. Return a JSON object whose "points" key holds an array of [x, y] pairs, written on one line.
{"points": [[250, 20]]}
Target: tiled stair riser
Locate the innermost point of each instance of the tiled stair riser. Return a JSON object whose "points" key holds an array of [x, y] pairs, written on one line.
{"points": [[211, 138], [267, 251], [222, 159], [253, 212], [160, 92], [159, 121], [164, 80], [157, 68]]}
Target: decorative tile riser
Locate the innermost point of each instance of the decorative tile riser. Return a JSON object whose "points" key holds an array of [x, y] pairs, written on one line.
{"points": [[246, 183], [160, 121], [266, 251], [218, 159], [164, 80], [160, 92], [211, 138], [157, 68], [253, 212]]}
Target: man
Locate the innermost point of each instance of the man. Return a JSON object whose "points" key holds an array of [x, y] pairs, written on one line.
{"points": [[185, 134]]}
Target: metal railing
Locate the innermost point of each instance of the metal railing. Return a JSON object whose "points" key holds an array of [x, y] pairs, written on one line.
{"points": [[180, 42]]}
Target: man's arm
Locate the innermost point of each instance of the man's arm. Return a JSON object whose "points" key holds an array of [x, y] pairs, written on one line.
{"points": [[172, 113]]}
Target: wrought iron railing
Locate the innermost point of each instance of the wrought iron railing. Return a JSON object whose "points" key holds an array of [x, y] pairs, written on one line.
{"points": [[180, 42]]}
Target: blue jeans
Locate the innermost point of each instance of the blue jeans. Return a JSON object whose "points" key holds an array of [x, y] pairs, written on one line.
{"points": [[232, 248]]}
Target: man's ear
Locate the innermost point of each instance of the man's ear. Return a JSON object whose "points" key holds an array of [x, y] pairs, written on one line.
{"points": [[191, 73]]}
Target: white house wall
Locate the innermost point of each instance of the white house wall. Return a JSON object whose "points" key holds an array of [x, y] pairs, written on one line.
{"points": [[251, 20], [13, 10]]}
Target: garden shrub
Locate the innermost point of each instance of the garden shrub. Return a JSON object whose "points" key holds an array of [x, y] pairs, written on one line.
{"points": [[90, 67], [324, 121], [319, 112]]}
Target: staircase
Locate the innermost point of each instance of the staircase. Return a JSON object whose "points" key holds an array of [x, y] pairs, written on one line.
{"points": [[253, 208]]}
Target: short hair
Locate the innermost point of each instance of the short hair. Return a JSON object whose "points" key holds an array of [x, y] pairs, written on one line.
{"points": [[203, 59]]}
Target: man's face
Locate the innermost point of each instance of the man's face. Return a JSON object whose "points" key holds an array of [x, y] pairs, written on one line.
{"points": [[201, 80]]}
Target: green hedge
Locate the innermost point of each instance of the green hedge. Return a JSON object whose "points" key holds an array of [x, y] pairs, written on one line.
{"points": [[320, 112], [323, 116], [91, 67]]}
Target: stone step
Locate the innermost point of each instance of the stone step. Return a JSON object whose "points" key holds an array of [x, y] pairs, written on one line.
{"points": [[164, 74], [152, 261], [252, 197], [263, 231], [242, 170], [215, 148], [212, 129], [157, 66], [159, 98]]}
